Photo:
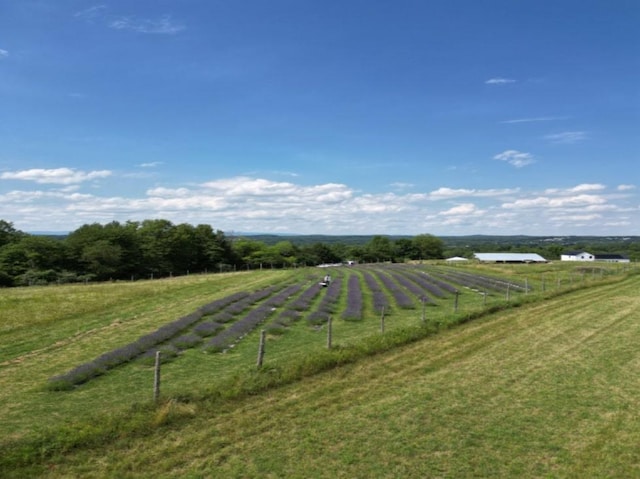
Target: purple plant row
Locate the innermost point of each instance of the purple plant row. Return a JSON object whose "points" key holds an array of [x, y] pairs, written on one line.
{"points": [[443, 285], [148, 342], [380, 300], [353, 311], [327, 303], [401, 298], [302, 302], [426, 284], [240, 328], [411, 286]]}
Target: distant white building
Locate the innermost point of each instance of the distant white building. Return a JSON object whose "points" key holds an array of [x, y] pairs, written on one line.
{"points": [[586, 256], [509, 258], [456, 259], [577, 256]]}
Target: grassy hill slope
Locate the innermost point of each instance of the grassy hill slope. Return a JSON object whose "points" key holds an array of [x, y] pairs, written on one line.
{"points": [[549, 389]]}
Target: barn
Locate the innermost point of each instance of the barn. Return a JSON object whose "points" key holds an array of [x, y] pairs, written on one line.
{"points": [[577, 256], [509, 258], [585, 256]]}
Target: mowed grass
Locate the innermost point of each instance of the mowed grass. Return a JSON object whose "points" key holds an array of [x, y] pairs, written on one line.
{"points": [[549, 389], [45, 331]]}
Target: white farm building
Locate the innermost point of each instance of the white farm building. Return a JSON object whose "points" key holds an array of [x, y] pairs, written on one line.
{"points": [[577, 256], [509, 258], [585, 256]]}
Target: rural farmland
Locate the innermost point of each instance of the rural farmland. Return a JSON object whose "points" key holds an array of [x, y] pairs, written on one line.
{"points": [[475, 370]]}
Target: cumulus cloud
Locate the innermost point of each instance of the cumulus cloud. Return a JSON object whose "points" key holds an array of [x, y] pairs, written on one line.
{"points": [[463, 209], [499, 81], [515, 158], [626, 187], [550, 202], [567, 137], [247, 203], [62, 176]]}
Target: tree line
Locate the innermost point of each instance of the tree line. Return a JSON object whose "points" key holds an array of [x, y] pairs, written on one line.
{"points": [[158, 248]]}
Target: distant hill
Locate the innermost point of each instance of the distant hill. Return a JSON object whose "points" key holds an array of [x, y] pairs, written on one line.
{"points": [[450, 241]]}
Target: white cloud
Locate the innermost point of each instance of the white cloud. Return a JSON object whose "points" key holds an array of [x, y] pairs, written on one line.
{"points": [[567, 137], [534, 119], [550, 202], [626, 187], [499, 81], [151, 164], [463, 209], [162, 25], [515, 158], [62, 176], [91, 12], [587, 187], [443, 193], [582, 188], [3, 53], [401, 186], [247, 203]]}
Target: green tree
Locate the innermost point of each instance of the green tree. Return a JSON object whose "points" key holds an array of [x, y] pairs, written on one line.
{"points": [[155, 238], [8, 234], [33, 259], [380, 248], [428, 246]]}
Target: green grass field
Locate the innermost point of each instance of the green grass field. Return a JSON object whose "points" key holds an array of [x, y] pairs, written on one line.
{"points": [[547, 389]]}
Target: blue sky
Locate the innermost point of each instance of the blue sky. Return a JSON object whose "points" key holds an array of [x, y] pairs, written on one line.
{"points": [[448, 117]]}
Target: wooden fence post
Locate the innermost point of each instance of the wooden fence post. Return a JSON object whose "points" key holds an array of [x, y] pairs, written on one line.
{"points": [[508, 291], [455, 302], [329, 332], [263, 335], [424, 306], [382, 321], [156, 378]]}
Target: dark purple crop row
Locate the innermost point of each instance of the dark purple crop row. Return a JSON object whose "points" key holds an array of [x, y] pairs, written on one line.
{"points": [[327, 303], [246, 311], [401, 298], [353, 311], [380, 300]]}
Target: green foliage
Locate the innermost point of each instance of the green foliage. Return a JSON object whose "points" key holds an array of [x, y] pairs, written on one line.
{"points": [[209, 387]]}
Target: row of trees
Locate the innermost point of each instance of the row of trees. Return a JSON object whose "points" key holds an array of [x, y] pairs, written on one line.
{"points": [[159, 248]]}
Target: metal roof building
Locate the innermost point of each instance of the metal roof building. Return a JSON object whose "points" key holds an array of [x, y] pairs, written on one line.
{"points": [[509, 257]]}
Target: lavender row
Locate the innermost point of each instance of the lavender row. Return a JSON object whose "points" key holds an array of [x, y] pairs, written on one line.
{"points": [[402, 300], [353, 310], [425, 283], [148, 342], [239, 329], [302, 302], [443, 285], [328, 302], [412, 286], [380, 300], [118, 356]]}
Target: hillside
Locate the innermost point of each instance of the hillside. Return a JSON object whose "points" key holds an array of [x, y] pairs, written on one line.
{"points": [[546, 389]]}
